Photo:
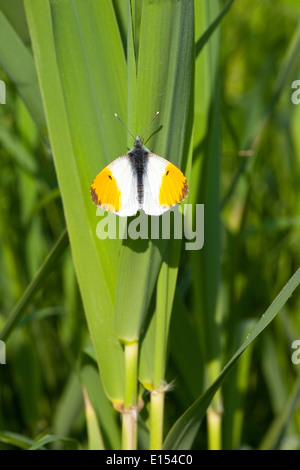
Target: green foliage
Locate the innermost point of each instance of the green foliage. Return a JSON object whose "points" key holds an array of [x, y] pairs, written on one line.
{"points": [[195, 321]]}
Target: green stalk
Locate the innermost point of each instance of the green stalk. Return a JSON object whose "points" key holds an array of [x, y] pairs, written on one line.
{"points": [[129, 430], [158, 394], [160, 327], [129, 420]]}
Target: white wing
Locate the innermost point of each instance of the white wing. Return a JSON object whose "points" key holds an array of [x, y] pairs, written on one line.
{"points": [[127, 182], [164, 185], [115, 187], [156, 166]]}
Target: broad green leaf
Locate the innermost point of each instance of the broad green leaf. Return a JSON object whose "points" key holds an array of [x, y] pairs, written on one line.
{"points": [[163, 83], [79, 104], [139, 266]]}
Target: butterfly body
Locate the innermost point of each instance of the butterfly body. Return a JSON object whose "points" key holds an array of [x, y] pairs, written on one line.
{"points": [[139, 180], [139, 160]]}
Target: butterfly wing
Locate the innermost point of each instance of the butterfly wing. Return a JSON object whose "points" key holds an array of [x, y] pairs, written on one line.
{"points": [[115, 188], [164, 185]]}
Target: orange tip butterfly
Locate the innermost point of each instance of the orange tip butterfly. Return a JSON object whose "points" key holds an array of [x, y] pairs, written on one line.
{"points": [[138, 180]]}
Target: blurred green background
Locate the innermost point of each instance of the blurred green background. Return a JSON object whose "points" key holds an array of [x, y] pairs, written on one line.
{"points": [[41, 384]]}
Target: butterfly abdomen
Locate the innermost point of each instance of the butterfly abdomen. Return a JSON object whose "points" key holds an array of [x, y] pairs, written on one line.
{"points": [[138, 160]]}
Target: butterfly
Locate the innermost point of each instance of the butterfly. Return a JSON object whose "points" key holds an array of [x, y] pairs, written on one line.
{"points": [[139, 180]]}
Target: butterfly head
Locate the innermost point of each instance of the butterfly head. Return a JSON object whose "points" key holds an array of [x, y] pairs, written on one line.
{"points": [[138, 144]]}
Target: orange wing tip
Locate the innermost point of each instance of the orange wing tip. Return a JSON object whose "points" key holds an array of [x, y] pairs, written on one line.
{"points": [[174, 187], [105, 191], [104, 206]]}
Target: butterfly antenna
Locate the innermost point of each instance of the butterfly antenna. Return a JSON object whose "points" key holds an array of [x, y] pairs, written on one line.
{"points": [[124, 126], [155, 116]]}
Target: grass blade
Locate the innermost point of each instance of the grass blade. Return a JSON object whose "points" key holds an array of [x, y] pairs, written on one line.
{"points": [[47, 267], [200, 43], [182, 434]]}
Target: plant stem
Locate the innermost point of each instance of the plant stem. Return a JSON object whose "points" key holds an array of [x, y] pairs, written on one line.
{"points": [[156, 419], [158, 394], [160, 327], [129, 423], [129, 430]]}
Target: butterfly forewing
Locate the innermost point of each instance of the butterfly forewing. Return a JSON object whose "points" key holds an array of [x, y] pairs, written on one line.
{"points": [[164, 185], [115, 188]]}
